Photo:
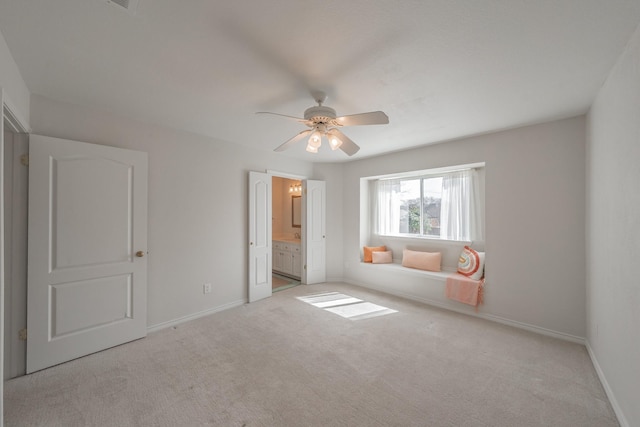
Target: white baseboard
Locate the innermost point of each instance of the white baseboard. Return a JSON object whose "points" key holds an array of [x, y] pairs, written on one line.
{"points": [[174, 322], [607, 389], [486, 316]]}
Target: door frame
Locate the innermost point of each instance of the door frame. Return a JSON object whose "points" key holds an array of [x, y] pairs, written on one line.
{"points": [[17, 125], [16, 213]]}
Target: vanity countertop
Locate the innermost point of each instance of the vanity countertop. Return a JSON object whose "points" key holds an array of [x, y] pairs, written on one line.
{"points": [[297, 241]]}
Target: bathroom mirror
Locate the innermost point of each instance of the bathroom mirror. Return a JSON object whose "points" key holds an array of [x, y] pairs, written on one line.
{"points": [[295, 211]]}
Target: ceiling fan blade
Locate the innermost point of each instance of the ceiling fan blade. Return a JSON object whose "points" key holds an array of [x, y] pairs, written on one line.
{"points": [[348, 146], [298, 119], [293, 140], [372, 118]]}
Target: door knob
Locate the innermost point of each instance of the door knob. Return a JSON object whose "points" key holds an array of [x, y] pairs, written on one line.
{"points": [[140, 254]]}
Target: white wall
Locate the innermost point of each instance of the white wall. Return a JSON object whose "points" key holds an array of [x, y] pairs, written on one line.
{"points": [[16, 94], [534, 219], [197, 204], [613, 233]]}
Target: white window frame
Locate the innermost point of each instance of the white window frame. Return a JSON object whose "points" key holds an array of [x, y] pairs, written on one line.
{"points": [[412, 175]]}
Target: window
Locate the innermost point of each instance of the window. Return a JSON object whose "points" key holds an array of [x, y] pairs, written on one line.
{"points": [[445, 205]]}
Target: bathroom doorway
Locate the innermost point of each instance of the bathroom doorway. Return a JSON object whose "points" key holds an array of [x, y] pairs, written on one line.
{"points": [[286, 233], [302, 257]]}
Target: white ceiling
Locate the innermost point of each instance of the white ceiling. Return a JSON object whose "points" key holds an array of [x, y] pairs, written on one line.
{"points": [[440, 69]]}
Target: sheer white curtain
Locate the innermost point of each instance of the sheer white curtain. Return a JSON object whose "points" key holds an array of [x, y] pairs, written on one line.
{"points": [[386, 206], [460, 209], [476, 211]]}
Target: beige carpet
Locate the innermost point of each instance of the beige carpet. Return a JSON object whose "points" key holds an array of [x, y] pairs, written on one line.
{"points": [[284, 362]]}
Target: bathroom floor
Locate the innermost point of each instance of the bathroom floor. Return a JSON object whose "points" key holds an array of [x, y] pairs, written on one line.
{"points": [[280, 283]]}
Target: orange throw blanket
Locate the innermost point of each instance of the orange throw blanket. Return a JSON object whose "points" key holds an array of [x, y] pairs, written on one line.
{"points": [[461, 288]]}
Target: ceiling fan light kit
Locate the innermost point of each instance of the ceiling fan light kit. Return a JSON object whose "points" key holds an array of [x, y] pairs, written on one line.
{"points": [[324, 123], [334, 142]]}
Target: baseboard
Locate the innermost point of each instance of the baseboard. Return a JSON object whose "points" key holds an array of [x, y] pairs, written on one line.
{"points": [[490, 317], [174, 322], [607, 389], [532, 328]]}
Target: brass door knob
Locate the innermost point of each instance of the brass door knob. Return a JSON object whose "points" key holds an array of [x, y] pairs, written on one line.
{"points": [[140, 254]]}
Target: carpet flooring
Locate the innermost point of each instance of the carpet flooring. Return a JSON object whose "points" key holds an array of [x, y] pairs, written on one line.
{"points": [[285, 362]]}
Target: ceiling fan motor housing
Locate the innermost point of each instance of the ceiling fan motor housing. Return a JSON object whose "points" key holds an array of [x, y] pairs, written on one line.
{"points": [[320, 114]]}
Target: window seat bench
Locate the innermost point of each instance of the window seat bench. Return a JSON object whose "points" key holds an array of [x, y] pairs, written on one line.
{"points": [[400, 269], [419, 285]]}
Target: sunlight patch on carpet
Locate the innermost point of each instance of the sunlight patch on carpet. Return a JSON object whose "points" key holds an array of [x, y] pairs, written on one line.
{"points": [[346, 306], [329, 299]]}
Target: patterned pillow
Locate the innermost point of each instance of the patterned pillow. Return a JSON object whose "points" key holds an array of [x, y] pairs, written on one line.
{"points": [[471, 263], [369, 249]]}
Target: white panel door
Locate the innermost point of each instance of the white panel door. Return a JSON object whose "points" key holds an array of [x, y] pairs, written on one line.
{"points": [[259, 236], [313, 232], [87, 285]]}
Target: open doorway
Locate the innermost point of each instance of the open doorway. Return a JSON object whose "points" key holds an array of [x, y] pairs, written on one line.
{"points": [[286, 225], [312, 235]]}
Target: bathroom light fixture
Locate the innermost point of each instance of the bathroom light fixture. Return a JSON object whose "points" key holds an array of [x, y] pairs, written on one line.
{"points": [[295, 188]]}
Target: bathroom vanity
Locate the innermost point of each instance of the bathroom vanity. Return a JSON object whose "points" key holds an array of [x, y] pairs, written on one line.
{"points": [[287, 257]]}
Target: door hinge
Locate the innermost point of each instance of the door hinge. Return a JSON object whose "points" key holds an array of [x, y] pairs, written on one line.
{"points": [[22, 334], [24, 160], [305, 266]]}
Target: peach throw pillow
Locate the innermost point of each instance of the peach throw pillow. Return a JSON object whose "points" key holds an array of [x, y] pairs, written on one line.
{"points": [[429, 261], [370, 249], [379, 257]]}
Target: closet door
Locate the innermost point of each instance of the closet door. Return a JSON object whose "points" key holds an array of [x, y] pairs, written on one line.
{"points": [[87, 269]]}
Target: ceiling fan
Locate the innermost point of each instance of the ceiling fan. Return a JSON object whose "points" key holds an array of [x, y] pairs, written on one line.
{"points": [[323, 122]]}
